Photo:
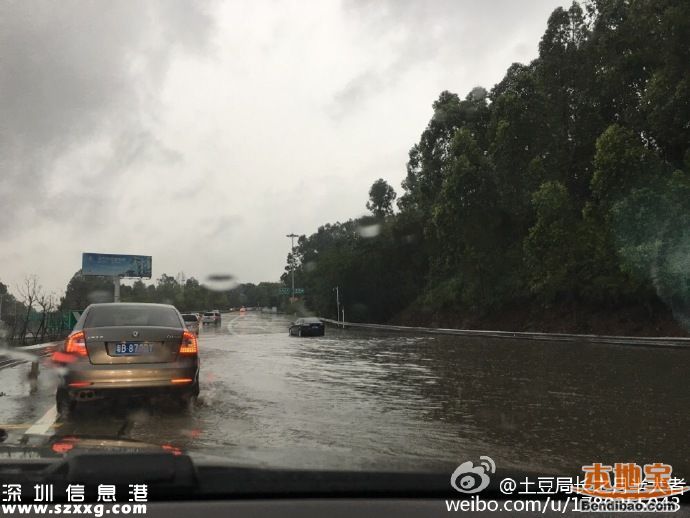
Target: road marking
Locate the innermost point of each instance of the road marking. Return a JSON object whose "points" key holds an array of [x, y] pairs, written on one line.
{"points": [[231, 324], [41, 426]]}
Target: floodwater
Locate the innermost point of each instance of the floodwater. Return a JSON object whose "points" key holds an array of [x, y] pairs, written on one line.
{"points": [[357, 399]]}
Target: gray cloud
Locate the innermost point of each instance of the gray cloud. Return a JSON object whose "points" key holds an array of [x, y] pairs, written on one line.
{"points": [[72, 73], [216, 226], [445, 33], [197, 133]]}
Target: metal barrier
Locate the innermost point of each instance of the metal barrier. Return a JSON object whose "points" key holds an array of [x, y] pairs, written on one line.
{"points": [[10, 357], [681, 342]]}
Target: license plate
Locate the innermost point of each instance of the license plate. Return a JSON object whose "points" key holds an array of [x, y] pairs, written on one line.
{"points": [[132, 348]]}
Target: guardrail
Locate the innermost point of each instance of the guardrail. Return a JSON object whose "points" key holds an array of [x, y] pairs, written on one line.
{"points": [[662, 341], [12, 356]]}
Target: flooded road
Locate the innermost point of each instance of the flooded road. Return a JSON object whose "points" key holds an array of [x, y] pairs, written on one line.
{"points": [[361, 400]]}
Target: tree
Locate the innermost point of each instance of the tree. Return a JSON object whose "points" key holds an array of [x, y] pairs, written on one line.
{"points": [[381, 198], [551, 264], [46, 301], [29, 291], [168, 290], [83, 290], [567, 183], [621, 163]]}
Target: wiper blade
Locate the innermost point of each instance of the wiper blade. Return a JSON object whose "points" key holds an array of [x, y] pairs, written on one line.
{"points": [[156, 469]]}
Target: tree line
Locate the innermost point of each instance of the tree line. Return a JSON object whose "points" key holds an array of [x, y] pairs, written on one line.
{"points": [[566, 184], [186, 294], [31, 315]]}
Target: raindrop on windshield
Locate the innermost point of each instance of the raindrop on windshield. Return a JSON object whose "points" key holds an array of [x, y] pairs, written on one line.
{"points": [[220, 282], [96, 296], [369, 230]]}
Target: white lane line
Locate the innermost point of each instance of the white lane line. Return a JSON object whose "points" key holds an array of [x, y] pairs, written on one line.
{"points": [[41, 426], [231, 324]]}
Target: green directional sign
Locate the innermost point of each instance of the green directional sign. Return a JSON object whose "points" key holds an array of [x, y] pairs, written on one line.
{"points": [[288, 291]]}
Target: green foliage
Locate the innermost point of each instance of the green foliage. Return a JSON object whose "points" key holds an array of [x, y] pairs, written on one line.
{"points": [[379, 266], [621, 164], [9, 306], [189, 295], [568, 181], [549, 248], [83, 290], [381, 198], [652, 229]]}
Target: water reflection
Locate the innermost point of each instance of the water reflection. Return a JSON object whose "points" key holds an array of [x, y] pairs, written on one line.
{"points": [[533, 405]]}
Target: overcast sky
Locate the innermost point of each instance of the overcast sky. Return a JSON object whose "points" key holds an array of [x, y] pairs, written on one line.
{"points": [[202, 133]]}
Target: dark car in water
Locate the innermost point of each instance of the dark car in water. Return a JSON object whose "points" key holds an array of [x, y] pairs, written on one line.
{"points": [[308, 326], [129, 349]]}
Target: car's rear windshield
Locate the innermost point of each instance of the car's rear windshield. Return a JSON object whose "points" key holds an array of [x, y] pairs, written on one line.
{"points": [[209, 315], [107, 316], [189, 318], [311, 320]]}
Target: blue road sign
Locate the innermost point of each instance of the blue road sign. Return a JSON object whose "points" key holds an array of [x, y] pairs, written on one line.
{"points": [[115, 265]]}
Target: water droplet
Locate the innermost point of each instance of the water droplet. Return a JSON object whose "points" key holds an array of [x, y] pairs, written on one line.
{"points": [[96, 296], [220, 282], [369, 231]]}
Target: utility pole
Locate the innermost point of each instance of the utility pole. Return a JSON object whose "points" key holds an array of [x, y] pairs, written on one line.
{"points": [[116, 289], [337, 301], [292, 252]]}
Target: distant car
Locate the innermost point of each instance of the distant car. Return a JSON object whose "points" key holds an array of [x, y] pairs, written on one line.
{"points": [[191, 320], [308, 326], [211, 317], [127, 348]]}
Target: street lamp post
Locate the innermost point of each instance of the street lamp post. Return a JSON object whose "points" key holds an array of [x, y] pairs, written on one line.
{"points": [[292, 251], [337, 302]]}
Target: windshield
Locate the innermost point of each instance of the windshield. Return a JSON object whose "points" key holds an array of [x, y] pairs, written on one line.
{"points": [[349, 235]]}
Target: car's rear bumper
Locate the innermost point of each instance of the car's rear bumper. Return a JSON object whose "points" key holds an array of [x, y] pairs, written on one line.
{"points": [[173, 375], [308, 331]]}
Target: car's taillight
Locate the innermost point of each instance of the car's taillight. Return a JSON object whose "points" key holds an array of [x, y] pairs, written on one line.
{"points": [[76, 344], [65, 444], [189, 344]]}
